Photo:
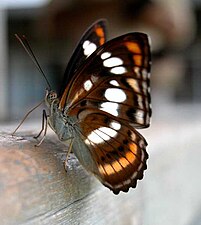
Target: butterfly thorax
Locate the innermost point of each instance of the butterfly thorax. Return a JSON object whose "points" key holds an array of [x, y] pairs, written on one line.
{"points": [[61, 124]]}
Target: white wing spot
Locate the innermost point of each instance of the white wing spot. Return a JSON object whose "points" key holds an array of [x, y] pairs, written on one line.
{"points": [[144, 73], [105, 55], [134, 84], [145, 88], [85, 44], [133, 137], [118, 70], [110, 107], [115, 125], [140, 118], [114, 61], [87, 142], [114, 82], [89, 48], [93, 137], [88, 85], [137, 71], [140, 113], [108, 131], [140, 101], [100, 135], [115, 95]]}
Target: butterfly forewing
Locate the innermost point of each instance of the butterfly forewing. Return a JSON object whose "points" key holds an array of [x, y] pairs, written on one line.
{"points": [[94, 37], [114, 79], [109, 96]]}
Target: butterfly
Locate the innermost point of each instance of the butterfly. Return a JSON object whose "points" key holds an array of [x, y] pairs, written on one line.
{"points": [[104, 98]]}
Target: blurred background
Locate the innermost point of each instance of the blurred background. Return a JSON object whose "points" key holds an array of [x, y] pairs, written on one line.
{"points": [[53, 27]]}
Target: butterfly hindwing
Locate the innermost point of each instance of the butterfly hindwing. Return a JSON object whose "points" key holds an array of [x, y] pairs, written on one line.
{"points": [[118, 150]]}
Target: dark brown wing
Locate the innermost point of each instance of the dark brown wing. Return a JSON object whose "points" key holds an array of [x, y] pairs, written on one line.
{"points": [[118, 150], [96, 35], [109, 96], [122, 67]]}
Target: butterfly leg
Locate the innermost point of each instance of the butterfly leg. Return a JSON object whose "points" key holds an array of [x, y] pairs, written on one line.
{"points": [[68, 153], [26, 117], [44, 128], [44, 118]]}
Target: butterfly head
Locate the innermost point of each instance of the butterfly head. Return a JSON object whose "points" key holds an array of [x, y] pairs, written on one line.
{"points": [[51, 96]]}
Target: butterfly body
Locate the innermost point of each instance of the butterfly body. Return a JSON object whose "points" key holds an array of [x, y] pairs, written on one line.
{"points": [[60, 123], [67, 129]]}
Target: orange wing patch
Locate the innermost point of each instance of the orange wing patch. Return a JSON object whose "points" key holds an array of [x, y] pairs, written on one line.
{"points": [[133, 47], [100, 33], [133, 148], [137, 60]]}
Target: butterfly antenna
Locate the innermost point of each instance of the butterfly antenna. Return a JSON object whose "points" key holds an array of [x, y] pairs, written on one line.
{"points": [[24, 42]]}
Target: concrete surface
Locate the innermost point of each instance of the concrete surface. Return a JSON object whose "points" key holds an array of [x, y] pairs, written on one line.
{"points": [[170, 193]]}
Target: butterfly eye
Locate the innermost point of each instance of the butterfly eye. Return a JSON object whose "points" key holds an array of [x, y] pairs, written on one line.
{"points": [[51, 96]]}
